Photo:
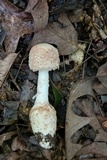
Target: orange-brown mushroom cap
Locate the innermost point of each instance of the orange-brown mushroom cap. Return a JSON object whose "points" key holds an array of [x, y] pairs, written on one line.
{"points": [[43, 57]]}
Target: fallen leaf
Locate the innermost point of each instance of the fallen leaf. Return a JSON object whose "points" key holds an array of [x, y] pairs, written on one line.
{"points": [[97, 24], [73, 121], [77, 16], [100, 47], [62, 34], [86, 106], [5, 66], [78, 55], [102, 74], [47, 154], [99, 88], [6, 136], [17, 144], [104, 124], [57, 95], [9, 156], [27, 91], [13, 156], [15, 23], [40, 15], [10, 114], [67, 6], [101, 121], [99, 148], [31, 4]]}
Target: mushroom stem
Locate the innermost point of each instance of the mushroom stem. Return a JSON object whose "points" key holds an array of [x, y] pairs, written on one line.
{"points": [[42, 89], [43, 58]]}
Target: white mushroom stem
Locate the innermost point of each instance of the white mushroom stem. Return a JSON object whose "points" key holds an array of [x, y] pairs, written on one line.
{"points": [[42, 89], [43, 115]]}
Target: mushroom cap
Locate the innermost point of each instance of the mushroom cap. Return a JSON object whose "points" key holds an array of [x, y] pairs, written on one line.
{"points": [[43, 57], [43, 122]]}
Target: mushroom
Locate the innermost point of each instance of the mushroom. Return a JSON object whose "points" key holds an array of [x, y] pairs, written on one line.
{"points": [[43, 58]]}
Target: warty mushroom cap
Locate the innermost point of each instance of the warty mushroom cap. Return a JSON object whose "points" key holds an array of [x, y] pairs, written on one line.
{"points": [[43, 57]]}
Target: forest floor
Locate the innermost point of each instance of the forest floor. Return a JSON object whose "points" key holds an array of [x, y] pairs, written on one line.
{"points": [[78, 89]]}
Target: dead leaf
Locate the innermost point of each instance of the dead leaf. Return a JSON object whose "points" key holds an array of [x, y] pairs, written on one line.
{"points": [[10, 115], [77, 16], [40, 15], [5, 66], [78, 55], [104, 124], [99, 148], [15, 23], [13, 156], [31, 4], [27, 91], [98, 21], [17, 144], [102, 74], [67, 6], [47, 154], [99, 88], [6, 136], [100, 47], [97, 158], [9, 156], [101, 121], [62, 34], [86, 106], [73, 121]]}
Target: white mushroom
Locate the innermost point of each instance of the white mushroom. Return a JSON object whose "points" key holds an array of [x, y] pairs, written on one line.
{"points": [[43, 57]]}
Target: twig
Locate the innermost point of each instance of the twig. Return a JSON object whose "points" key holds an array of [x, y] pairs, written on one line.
{"points": [[84, 65]]}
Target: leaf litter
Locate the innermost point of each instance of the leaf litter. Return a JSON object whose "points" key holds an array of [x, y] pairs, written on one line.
{"points": [[60, 34], [79, 89]]}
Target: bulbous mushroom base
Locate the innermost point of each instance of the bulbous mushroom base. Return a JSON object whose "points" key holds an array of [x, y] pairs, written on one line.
{"points": [[45, 141], [43, 122]]}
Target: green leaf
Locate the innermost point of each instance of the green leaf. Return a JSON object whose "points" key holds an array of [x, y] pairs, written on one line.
{"points": [[57, 95]]}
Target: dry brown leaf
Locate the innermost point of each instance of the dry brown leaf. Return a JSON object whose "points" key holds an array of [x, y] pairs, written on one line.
{"points": [[40, 15], [10, 114], [102, 74], [99, 148], [86, 106], [5, 66], [98, 21], [97, 158], [100, 47], [62, 34], [31, 4], [99, 88], [77, 16], [47, 154], [10, 156], [17, 144], [13, 156], [6, 136], [73, 121], [104, 124], [15, 23]]}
